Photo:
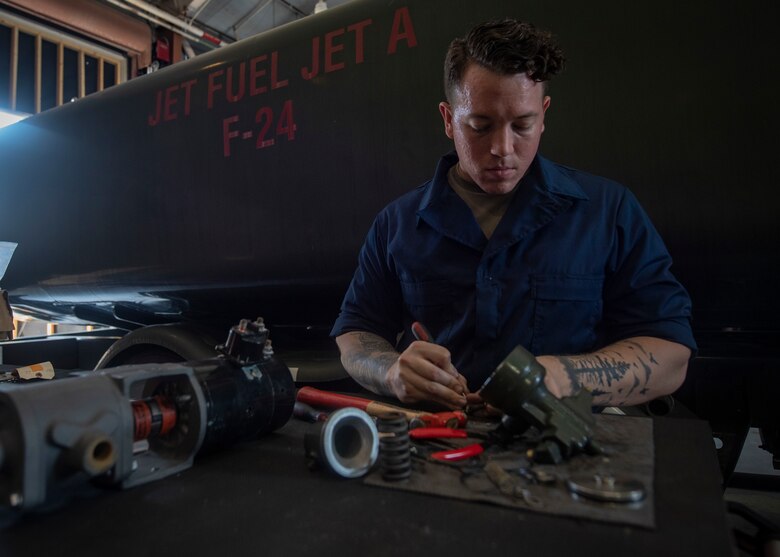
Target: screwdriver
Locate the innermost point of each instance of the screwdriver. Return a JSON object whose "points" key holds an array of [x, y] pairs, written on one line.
{"points": [[304, 412], [422, 333]]}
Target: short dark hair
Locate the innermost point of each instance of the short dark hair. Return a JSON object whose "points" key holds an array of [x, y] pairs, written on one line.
{"points": [[507, 47]]}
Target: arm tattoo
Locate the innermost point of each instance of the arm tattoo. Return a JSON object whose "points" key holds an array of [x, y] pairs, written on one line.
{"points": [[373, 343], [594, 370], [369, 363], [625, 362]]}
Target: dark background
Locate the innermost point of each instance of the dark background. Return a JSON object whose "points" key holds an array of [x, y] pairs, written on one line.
{"points": [[674, 101]]}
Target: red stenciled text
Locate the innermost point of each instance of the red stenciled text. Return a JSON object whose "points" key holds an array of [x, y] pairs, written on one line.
{"points": [[167, 105], [269, 127], [253, 77], [332, 50], [225, 88]]}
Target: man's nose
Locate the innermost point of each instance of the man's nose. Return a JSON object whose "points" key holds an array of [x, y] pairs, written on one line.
{"points": [[502, 142]]}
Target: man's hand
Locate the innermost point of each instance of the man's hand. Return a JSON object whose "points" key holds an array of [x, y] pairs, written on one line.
{"points": [[423, 372]]}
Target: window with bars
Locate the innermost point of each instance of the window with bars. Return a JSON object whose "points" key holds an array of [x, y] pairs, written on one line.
{"points": [[41, 68]]}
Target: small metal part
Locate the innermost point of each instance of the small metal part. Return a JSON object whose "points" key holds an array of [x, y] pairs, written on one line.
{"points": [[527, 474], [544, 477], [347, 443], [548, 451], [509, 487], [268, 350], [607, 488], [246, 342], [501, 478], [394, 450], [530, 499]]}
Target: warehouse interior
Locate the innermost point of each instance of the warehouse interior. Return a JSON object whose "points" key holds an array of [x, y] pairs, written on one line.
{"points": [[142, 107]]}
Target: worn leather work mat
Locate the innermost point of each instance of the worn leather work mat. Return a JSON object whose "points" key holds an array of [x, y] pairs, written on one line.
{"points": [[628, 452]]}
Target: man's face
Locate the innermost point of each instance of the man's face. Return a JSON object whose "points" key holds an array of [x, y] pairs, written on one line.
{"points": [[496, 122]]}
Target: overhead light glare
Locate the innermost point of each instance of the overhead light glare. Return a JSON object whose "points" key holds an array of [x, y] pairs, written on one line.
{"points": [[320, 6], [7, 117]]}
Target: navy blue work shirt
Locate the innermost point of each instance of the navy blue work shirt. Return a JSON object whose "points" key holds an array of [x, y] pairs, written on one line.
{"points": [[574, 265]]}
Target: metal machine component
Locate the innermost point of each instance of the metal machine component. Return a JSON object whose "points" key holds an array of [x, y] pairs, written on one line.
{"points": [[606, 488], [133, 424], [517, 388], [394, 447], [347, 444], [507, 485], [246, 342]]}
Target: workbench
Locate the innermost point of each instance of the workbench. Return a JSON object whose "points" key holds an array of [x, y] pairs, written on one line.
{"points": [[259, 498]]}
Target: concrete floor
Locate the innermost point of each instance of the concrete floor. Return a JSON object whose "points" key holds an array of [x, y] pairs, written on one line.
{"points": [[756, 484]]}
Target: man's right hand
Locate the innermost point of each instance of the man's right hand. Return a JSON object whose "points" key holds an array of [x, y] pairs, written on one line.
{"points": [[424, 371]]}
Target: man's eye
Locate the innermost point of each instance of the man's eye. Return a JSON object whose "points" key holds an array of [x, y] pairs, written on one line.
{"points": [[521, 129], [479, 129]]}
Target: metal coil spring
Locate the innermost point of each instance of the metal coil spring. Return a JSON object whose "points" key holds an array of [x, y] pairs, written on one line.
{"points": [[394, 447]]}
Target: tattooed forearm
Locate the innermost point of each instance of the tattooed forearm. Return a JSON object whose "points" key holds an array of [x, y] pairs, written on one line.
{"points": [[367, 360], [621, 373], [373, 343], [594, 369]]}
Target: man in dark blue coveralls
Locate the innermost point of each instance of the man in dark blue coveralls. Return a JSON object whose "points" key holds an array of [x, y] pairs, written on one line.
{"points": [[503, 247]]}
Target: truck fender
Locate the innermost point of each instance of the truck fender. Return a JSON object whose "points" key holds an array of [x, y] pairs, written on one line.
{"points": [[176, 342]]}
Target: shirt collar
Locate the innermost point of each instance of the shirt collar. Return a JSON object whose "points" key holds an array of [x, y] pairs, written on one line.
{"points": [[447, 213], [546, 191], [552, 178]]}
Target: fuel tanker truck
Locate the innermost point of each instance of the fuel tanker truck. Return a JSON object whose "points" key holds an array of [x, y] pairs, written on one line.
{"points": [[241, 182]]}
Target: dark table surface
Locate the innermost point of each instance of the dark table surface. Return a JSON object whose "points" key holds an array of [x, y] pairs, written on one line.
{"points": [[259, 498]]}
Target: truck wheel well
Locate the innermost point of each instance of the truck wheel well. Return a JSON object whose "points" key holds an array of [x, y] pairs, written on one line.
{"points": [[161, 344]]}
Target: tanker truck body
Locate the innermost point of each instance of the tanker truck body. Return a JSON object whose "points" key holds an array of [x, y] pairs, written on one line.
{"points": [[239, 181], [242, 182]]}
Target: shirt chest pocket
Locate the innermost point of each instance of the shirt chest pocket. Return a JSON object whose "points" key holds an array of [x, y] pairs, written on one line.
{"points": [[567, 310], [431, 303]]}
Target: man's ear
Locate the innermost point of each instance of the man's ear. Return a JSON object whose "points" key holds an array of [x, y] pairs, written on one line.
{"points": [[545, 106], [446, 115]]}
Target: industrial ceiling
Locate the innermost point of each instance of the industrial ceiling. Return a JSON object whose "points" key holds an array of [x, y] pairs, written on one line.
{"points": [[238, 19]]}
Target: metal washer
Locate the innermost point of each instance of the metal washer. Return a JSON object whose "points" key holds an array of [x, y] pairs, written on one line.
{"points": [[607, 488]]}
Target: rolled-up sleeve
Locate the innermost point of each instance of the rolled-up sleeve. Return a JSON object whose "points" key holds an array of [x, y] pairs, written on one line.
{"points": [[641, 296]]}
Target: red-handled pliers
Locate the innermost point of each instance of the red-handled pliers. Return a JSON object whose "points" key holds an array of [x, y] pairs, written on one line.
{"points": [[437, 433], [449, 455], [454, 455]]}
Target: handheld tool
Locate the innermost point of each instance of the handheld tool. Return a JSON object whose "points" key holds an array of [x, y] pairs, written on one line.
{"points": [[304, 412], [422, 333], [452, 454], [316, 397]]}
